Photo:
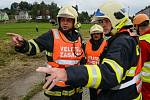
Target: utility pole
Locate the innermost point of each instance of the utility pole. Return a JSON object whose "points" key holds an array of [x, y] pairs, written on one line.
{"points": [[128, 10]]}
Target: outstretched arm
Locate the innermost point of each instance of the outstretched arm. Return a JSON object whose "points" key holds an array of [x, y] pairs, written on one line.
{"points": [[57, 74]]}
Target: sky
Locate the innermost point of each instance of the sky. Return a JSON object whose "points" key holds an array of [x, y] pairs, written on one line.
{"points": [[132, 6]]}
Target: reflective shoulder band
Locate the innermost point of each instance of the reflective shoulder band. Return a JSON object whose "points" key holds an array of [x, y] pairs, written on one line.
{"points": [[56, 33], [116, 67], [35, 44], [94, 76], [30, 48], [145, 37]]}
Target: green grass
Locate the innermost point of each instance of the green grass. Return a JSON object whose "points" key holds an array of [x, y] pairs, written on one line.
{"points": [[28, 30]]}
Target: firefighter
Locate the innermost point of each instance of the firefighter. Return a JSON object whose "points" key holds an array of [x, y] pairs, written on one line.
{"points": [[63, 48], [93, 50], [141, 23], [95, 46], [117, 75], [105, 23]]}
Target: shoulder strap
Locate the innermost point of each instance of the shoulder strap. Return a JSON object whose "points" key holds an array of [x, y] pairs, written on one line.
{"points": [[103, 45], [145, 37], [55, 33]]}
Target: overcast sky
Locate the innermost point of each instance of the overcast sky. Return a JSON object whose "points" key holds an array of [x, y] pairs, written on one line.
{"points": [[132, 6]]}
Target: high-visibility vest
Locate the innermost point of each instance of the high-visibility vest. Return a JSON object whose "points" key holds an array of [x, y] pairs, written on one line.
{"points": [[64, 52], [93, 56], [146, 67]]}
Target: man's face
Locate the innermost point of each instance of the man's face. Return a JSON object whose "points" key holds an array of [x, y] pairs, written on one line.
{"points": [[106, 24], [66, 23], [143, 29], [97, 36]]}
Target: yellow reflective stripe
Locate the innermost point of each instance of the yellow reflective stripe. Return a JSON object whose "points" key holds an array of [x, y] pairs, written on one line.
{"points": [[146, 72], [145, 37], [98, 81], [137, 50], [146, 67], [36, 46], [58, 93], [49, 53], [139, 97], [131, 71], [89, 69], [122, 23], [94, 76], [79, 90], [145, 78], [116, 67], [53, 93], [68, 93], [30, 47]]}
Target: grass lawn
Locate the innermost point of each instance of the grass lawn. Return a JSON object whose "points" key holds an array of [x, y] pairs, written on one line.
{"points": [[28, 30]]}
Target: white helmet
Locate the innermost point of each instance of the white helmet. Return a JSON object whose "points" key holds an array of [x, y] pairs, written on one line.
{"points": [[68, 12], [96, 29], [116, 14]]}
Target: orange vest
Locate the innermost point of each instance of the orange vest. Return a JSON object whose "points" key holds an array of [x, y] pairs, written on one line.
{"points": [[93, 56], [64, 52]]}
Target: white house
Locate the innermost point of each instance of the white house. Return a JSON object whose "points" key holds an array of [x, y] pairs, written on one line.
{"points": [[3, 16], [23, 15]]}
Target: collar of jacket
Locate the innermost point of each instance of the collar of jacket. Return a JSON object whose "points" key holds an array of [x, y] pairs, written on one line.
{"points": [[96, 43], [71, 34], [147, 32]]}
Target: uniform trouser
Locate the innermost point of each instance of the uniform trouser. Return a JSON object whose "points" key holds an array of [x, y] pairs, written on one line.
{"points": [[77, 96], [146, 91], [93, 94], [64, 93], [129, 93]]}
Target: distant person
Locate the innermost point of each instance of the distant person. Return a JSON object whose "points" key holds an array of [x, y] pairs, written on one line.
{"points": [[93, 51], [63, 48], [105, 23], [37, 28]]}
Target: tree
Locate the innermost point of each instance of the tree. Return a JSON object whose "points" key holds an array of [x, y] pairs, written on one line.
{"points": [[14, 8], [25, 6], [35, 11], [84, 17], [53, 10], [7, 10]]}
